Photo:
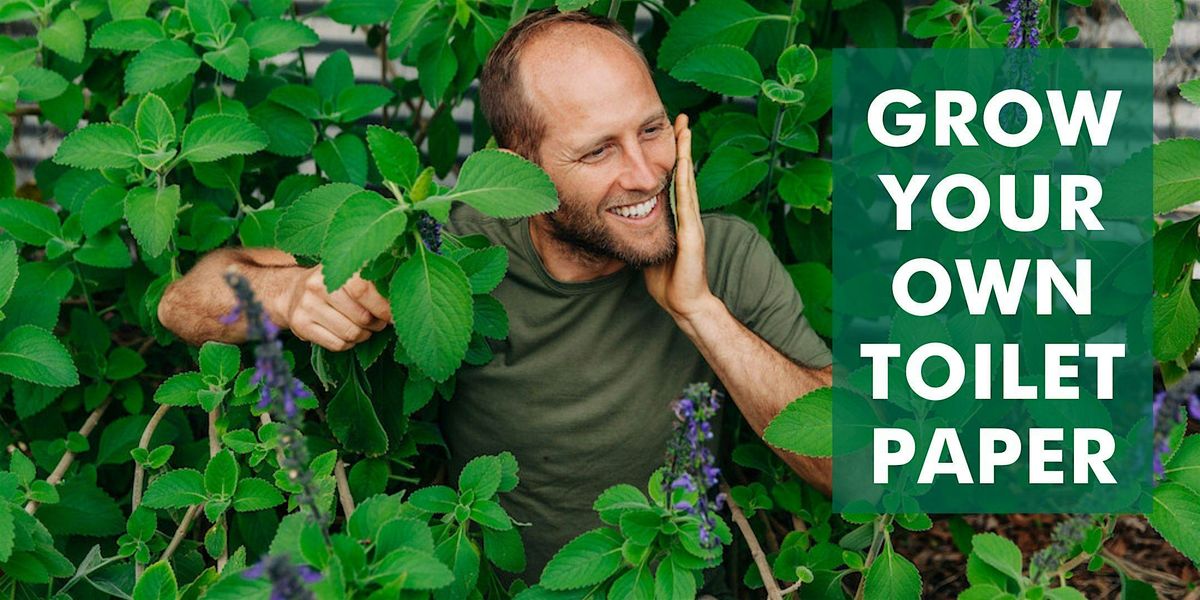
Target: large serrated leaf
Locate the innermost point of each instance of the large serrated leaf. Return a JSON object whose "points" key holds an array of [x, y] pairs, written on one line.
{"points": [[302, 229], [101, 146], [431, 305], [502, 185], [709, 22], [66, 36], [1176, 174], [728, 175], [128, 35], [354, 422], [364, 227], [1176, 515], [1153, 20], [272, 37], [1176, 320], [231, 61], [586, 560], [34, 354], [154, 124], [150, 212], [721, 68], [28, 221], [213, 137], [892, 577], [805, 426], [395, 155], [160, 65]]}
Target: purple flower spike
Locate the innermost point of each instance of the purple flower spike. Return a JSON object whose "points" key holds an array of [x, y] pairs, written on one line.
{"points": [[690, 469], [288, 582]]}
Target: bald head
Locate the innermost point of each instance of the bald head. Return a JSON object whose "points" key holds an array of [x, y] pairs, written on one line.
{"points": [[544, 64]]}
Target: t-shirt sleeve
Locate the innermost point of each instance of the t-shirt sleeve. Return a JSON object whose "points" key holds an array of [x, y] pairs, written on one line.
{"points": [[758, 291]]}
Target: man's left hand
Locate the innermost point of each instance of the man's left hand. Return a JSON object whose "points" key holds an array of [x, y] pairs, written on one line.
{"points": [[680, 285]]}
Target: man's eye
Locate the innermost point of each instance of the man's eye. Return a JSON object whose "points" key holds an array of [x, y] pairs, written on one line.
{"points": [[597, 153], [653, 130]]}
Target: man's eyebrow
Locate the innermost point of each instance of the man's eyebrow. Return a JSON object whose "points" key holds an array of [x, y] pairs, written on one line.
{"points": [[659, 115]]}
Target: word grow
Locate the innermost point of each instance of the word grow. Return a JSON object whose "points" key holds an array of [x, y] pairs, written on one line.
{"points": [[1001, 281]]}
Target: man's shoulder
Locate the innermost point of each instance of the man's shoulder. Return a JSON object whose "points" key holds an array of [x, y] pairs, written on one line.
{"points": [[725, 233], [465, 220]]}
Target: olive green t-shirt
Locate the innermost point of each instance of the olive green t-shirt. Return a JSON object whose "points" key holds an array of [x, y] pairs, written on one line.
{"points": [[580, 390]]}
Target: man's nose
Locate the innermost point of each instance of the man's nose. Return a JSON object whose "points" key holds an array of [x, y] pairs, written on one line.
{"points": [[639, 174]]}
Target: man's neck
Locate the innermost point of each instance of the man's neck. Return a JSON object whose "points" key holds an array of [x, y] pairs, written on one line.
{"points": [[565, 262]]}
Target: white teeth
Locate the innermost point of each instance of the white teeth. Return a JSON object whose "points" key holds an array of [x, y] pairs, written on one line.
{"points": [[636, 211]]}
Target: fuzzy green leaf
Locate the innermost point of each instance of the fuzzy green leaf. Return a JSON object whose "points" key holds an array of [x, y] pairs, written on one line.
{"points": [[33, 354], [431, 303], [157, 583], [586, 560], [160, 65], [502, 185], [272, 37], [231, 61], [708, 22], [1153, 20], [255, 494], [213, 137], [721, 68], [150, 212], [175, 489], [128, 35], [1176, 515], [395, 155], [892, 577], [805, 426], [66, 36], [154, 124], [728, 175], [102, 146], [28, 221], [1176, 174], [221, 475], [1176, 321], [302, 229], [364, 227], [353, 420]]}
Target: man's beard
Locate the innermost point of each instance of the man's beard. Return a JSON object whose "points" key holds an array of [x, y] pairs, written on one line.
{"points": [[592, 237]]}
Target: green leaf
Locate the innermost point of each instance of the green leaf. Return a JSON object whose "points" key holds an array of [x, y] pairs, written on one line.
{"points": [[796, 65], [255, 494], [28, 221], [617, 500], [998, 552], [154, 124], [290, 132], [334, 75], [485, 268], [805, 426], [780, 94], [360, 12], [7, 533], [157, 583], [128, 35], [33, 354], [1190, 90], [302, 229], [207, 16], [502, 185], [160, 65], [231, 61], [1153, 20], [570, 5], [272, 37], [354, 422], [490, 514], [221, 475], [671, 580], [808, 184], [505, 549], [721, 68], [892, 577], [66, 36], [412, 569], [103, 146], [38, 84], [8, 269], [364, 227], [481, 475], [431, 304], [123, 363], [150, 212], [439, 65], [213, 137], [180, 390], [1176, 248], [359, 101], [1176, 516], [586, 560], [1176, 321], [436, 499], [343, 158], [221, 361], [395, 155], [1184, 465], [1176, 174], [82, 509], [179, 488], [708, 22], [728, 175]]}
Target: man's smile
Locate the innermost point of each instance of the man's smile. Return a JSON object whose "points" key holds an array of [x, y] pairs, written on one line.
{"points": [[642, 211]]}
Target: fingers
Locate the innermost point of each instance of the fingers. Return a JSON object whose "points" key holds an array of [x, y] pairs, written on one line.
{"points": [[312, 332], [687, 203], [369, 298]]}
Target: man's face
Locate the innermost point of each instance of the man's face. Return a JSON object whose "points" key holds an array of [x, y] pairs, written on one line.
{"points": [[608, 146]]}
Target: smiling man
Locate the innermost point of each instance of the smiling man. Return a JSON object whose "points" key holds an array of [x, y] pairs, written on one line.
{"points": [[613, 308]]}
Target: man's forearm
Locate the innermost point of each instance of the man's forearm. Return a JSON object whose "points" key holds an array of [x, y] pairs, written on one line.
{"points": [[192, 306], [761, 380]]}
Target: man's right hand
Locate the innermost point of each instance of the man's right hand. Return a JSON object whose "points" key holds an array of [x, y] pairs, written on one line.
{"points": [[336, 321]]}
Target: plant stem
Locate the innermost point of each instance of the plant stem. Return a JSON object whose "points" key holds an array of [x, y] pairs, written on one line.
{"points": [[68, 457], [214, 446], [772, 157], [180, 532], [756, 551], [343, 487], [613, 9], [793, 24], [881, 523], [82, 284], [139, 472]]}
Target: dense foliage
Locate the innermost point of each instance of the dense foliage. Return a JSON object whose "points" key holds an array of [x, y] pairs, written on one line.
{"points": [[139, 467]]}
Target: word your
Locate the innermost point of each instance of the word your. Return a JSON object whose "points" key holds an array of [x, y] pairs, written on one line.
{"points": [[992, 456]]}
